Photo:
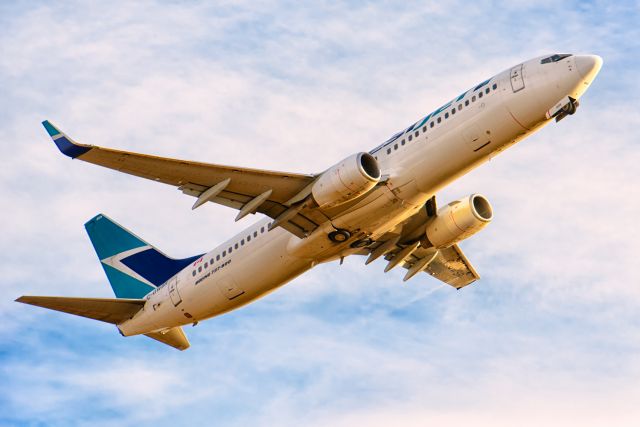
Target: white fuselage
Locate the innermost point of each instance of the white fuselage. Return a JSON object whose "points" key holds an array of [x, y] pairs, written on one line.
{"points": [[418, 162]]}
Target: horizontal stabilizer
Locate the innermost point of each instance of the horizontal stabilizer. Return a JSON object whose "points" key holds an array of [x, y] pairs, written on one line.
{"points": [[174, 337], [107, 310]]}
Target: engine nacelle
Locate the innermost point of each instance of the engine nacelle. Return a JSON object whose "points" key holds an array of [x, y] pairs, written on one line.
{"points": [[346, 180], [458, 220]]}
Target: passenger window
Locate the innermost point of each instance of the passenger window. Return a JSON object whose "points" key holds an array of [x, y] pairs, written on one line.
{"points": [[241, 242], [473, 98], [402, 143], [410, 137], [230, 249], [255, 234], [486, 91], [453, 111], [235, 246], [199, 269], [417, 133], [193, 273], [206, 265], [224, 253], [262, 229], [431, 124], [466, 103], [479, 94], [459, 107], [446, 115], [388, 150], [248, 238], [439, 119], [495, 86], [424, 128], [218, 257]]}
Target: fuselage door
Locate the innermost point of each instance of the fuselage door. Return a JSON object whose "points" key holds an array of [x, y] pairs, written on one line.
{"points": [[517, 81], [173, 291]]}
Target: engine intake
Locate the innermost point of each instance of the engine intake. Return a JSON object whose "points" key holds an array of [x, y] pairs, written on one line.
{"points": [[459, 220], [350, 178]]}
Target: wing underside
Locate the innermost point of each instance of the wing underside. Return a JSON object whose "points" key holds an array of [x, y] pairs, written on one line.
{"points": [[278, 195], [450, 266]]}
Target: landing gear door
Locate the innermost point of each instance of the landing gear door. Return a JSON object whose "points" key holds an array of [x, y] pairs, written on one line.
{"points": [[173, 291], [517, 80]]}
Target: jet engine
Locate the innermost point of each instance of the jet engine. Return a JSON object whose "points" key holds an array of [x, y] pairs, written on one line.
{"points": [[346, 180], [458, 220]]}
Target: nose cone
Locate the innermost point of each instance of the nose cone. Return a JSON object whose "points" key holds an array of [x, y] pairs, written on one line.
{"points": [[588, 66]]}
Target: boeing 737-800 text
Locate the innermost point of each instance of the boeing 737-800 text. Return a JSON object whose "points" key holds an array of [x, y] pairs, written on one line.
{"points": [[379, 203]]}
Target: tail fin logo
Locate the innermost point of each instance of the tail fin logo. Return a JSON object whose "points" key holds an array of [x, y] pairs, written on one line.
{"points": [[115, 261]]}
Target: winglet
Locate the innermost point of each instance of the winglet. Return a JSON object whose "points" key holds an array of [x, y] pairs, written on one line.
{"points": [[65, 144]]}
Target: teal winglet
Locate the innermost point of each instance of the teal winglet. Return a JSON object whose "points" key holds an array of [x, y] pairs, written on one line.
{"points": [[64, 144], [51, 129]]}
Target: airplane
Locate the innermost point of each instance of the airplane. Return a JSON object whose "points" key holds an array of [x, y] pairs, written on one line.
{"points": [[380, 204]]}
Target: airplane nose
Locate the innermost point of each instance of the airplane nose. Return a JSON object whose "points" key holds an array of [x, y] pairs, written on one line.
{"points": [[588, 65]]}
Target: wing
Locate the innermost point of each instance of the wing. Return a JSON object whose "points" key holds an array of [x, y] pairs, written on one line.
{"points": [[107, 310], [278, 195]]}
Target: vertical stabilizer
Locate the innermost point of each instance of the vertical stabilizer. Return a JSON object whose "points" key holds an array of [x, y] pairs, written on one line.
{"points": [[134, 267]]}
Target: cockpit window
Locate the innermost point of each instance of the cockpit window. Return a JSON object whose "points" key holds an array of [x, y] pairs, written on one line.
{"points": [[554, 58]]}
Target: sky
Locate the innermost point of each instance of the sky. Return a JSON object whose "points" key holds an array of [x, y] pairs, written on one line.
{"points": [[549, 336]]}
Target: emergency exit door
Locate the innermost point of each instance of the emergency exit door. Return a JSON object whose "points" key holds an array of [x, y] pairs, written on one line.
{"points": [[173, 291], [517, 80]]}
